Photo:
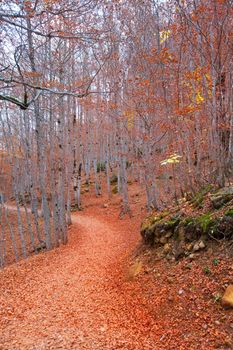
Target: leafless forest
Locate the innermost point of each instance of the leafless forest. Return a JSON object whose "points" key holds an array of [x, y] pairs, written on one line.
{"points": [[109, 92]]}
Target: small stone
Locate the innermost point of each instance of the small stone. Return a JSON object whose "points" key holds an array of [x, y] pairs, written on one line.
{"points": [[227, 299], [167, 248], [217, 323], [191, 256], [170, 298], [196, 247], [163, 240], [181, 292], [105, 205], [205, 326], [169, 257], [201, 245], [231, 325]]}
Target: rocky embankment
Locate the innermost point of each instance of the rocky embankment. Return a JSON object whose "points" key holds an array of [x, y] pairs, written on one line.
{"points": [[189, 227]]}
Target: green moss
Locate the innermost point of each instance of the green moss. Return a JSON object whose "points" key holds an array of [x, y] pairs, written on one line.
{"points": [[164, 214], [198, 198], [229, 212], [153, 220], [188, 221], [172, 223], [149, 221], [204, 222], [145, 225]]}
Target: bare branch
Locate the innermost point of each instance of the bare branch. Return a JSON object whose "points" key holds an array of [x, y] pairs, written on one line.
{"points": [[13, 100]]}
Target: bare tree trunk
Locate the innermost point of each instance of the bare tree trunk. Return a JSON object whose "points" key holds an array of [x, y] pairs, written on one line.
{"points": [[107, 168], [126, 207], [79, 185], [2, 238], [20, 227], [15, 249], [40, 147]]}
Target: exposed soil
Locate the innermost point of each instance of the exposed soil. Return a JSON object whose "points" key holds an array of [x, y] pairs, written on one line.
{"points": [[103, 291]]}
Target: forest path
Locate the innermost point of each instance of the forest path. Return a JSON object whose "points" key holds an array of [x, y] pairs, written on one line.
{"points": [[76, 296]]}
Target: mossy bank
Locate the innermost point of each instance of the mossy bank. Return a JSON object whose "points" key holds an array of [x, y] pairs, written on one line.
{"points": [[188, 228]]}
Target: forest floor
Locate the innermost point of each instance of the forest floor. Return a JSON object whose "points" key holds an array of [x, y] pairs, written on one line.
{"points": [[104, 291]]}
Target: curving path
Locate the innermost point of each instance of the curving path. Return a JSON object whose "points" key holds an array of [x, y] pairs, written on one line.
{"points": [[76, 297]]}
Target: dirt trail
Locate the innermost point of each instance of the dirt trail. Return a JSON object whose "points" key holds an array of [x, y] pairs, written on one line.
{"points": [[75, 297]]}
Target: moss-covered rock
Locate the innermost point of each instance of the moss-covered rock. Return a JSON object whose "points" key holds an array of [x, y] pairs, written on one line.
{"points": [[155, 228], [182, 235], [204, 222], [148, 229], [221, 197], [171, 224], [187, 230], [198, 199]]}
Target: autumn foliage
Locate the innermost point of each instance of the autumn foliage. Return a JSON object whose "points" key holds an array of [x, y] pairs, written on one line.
{"points": [[139, 91]]}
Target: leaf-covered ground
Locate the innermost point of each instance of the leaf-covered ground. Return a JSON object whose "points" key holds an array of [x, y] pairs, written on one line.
{"points": [[95, 294]]}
